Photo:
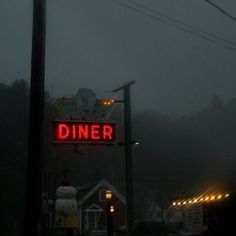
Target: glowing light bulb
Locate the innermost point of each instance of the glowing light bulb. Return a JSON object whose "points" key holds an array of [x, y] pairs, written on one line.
{"points": [[213, 198]]}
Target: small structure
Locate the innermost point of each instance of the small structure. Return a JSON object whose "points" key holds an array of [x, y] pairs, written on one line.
{"points": [[197, 214], [92, 207]]}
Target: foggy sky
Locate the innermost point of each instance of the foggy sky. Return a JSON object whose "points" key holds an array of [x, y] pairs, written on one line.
{"points": [[100, 45]]}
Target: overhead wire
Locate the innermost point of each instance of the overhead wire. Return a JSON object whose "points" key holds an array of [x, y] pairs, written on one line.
{"points": [[181, 22], [221, 10], [155, 17]]}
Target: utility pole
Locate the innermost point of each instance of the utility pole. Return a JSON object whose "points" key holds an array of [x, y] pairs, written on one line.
{"points": [[36, 118], [109, 223], [128, 156], [108, 196]]}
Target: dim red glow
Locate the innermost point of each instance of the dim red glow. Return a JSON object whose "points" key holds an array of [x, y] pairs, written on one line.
{"points": [[95, 132], [84, 132], [63, 131], [73, 131], [107, 132]]}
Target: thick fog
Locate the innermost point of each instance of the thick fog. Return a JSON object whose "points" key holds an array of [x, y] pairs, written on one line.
{"points": [[101, 44], [181, 53]]}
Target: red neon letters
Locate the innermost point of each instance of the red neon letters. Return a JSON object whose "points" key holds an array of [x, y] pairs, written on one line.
{"points": [[90, 132]]}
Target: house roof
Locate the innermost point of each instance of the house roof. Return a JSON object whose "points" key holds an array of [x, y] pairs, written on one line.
{"points": [[94, 207], [83, 190], [86, 191]]}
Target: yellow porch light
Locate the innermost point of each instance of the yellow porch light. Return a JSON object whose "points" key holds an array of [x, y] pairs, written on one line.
{"points": [[108, 195]]}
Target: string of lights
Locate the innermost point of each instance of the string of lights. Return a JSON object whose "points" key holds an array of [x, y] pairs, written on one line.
{"points": [[200, 199]]}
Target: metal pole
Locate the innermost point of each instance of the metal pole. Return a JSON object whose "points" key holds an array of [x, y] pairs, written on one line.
{"points": [[128, 156], [36, 116], [128, 159], [109, 229]]}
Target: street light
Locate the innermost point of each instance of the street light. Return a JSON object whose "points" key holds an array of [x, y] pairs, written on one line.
{"points": [[108, 196], [107, 102]]}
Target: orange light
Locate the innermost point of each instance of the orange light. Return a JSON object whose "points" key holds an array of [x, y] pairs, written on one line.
{"points": [[213, 198], [195, 200], [108, 102], [184, 202], [179, 203], [190, 201], [219, 196], [174, 203], [201, 199], [108, 195], [206, 198]]}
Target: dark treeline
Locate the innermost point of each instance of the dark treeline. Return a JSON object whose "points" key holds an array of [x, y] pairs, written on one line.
{"points": [[176, 156], [13, 143], [187, 155]]}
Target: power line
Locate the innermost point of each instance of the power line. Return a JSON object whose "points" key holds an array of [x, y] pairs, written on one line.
{"points": [[175, 26], [221, 10], [201, 35], [181, 22]]}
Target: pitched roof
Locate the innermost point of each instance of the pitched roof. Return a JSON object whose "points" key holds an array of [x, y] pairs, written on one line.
{"points": [[83, 190], [86, 191], [94, 207]]}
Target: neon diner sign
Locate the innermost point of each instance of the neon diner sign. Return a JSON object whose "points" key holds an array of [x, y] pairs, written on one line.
{"points": [[83, 132]]}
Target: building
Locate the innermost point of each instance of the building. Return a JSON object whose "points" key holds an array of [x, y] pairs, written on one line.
{"points": [[92, 207]]}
